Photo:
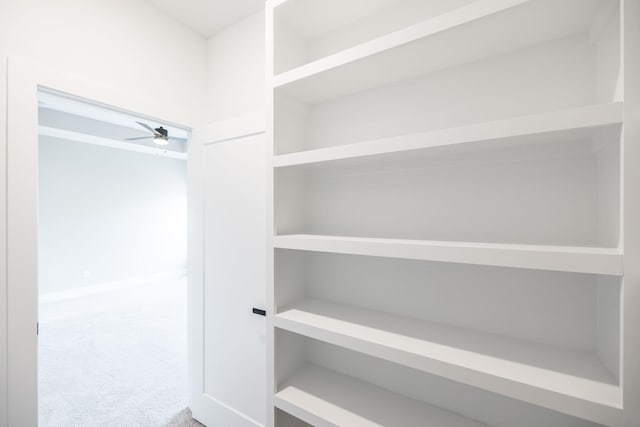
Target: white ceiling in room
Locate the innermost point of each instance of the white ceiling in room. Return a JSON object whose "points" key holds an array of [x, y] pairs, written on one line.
{"points": [[79, 108], [208, 17], [72, 119]]}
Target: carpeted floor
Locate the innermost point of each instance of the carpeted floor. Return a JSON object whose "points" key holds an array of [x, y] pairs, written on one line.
{"points": [[115, 359]]}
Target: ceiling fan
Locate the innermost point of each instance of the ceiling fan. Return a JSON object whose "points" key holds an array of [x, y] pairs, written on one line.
{"points": [[159, 135]]}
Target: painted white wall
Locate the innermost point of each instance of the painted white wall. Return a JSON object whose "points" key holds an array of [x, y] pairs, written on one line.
{"points": [[126, 44], [236, 70], [111, 213]]}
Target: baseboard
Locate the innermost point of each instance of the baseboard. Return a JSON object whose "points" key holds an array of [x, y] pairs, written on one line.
{"points": [[114, 285]]}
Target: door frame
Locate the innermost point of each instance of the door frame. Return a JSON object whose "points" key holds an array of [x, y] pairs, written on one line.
{"points": [[19, 348]]}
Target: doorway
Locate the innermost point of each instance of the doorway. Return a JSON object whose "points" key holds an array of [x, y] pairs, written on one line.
{"points": [[227, 216], [112, 266], [25, 82]]}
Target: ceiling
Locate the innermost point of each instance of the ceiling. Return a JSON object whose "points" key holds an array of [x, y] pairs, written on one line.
{"points": [[75, 120], [208, 17]]}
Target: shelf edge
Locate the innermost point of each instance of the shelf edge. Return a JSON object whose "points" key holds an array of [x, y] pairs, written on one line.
{"points": [[568, 259], [295, 399], [458, 17], [592, 116], [607, 414]]}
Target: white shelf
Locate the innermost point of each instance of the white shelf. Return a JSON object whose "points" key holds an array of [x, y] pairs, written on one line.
{"points": [[325, 398], [569, 382], [481, 29], [564, 125], [516, 178], [575, 259]]}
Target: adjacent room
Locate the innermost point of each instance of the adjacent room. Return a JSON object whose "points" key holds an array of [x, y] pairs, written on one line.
{"points": [[112, 267]]}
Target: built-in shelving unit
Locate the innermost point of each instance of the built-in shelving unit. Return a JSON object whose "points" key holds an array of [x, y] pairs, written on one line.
{"points": [[447, 198]]}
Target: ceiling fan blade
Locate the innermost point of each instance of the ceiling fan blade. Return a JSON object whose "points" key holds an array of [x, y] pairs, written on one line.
{"points": [[147, 127], [180, 140], [141, 137]]}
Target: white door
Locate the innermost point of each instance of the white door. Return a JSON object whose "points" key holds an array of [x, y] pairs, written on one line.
{"points": [[227, 340]]}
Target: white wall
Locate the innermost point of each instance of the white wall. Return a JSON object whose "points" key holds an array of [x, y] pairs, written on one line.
{"points": [[112, 213], [126, 44], [236, 70]]}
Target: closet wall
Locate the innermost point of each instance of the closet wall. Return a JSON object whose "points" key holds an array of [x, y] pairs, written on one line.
{"points": [[236, 64]]}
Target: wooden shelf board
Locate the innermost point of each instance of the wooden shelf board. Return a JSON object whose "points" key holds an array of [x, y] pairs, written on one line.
{"points": [[438, 43], [575, 259], [563, 125], [570, 382], [323, 398]]}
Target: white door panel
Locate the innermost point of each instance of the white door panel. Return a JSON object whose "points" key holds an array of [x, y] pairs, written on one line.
{"points": [[227, 340]]}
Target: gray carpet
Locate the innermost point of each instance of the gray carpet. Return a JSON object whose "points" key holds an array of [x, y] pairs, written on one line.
{"points": [[115, 359], [183, 419]]}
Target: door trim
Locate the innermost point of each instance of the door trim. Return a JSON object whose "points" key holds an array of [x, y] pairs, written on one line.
{"points": [[18, 355]]}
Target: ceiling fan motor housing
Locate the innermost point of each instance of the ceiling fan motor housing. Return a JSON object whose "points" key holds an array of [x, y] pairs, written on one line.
{"points": [[162, 131]]}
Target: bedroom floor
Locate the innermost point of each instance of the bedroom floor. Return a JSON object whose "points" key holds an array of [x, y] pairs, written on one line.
{"points": [[116, 358]]}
